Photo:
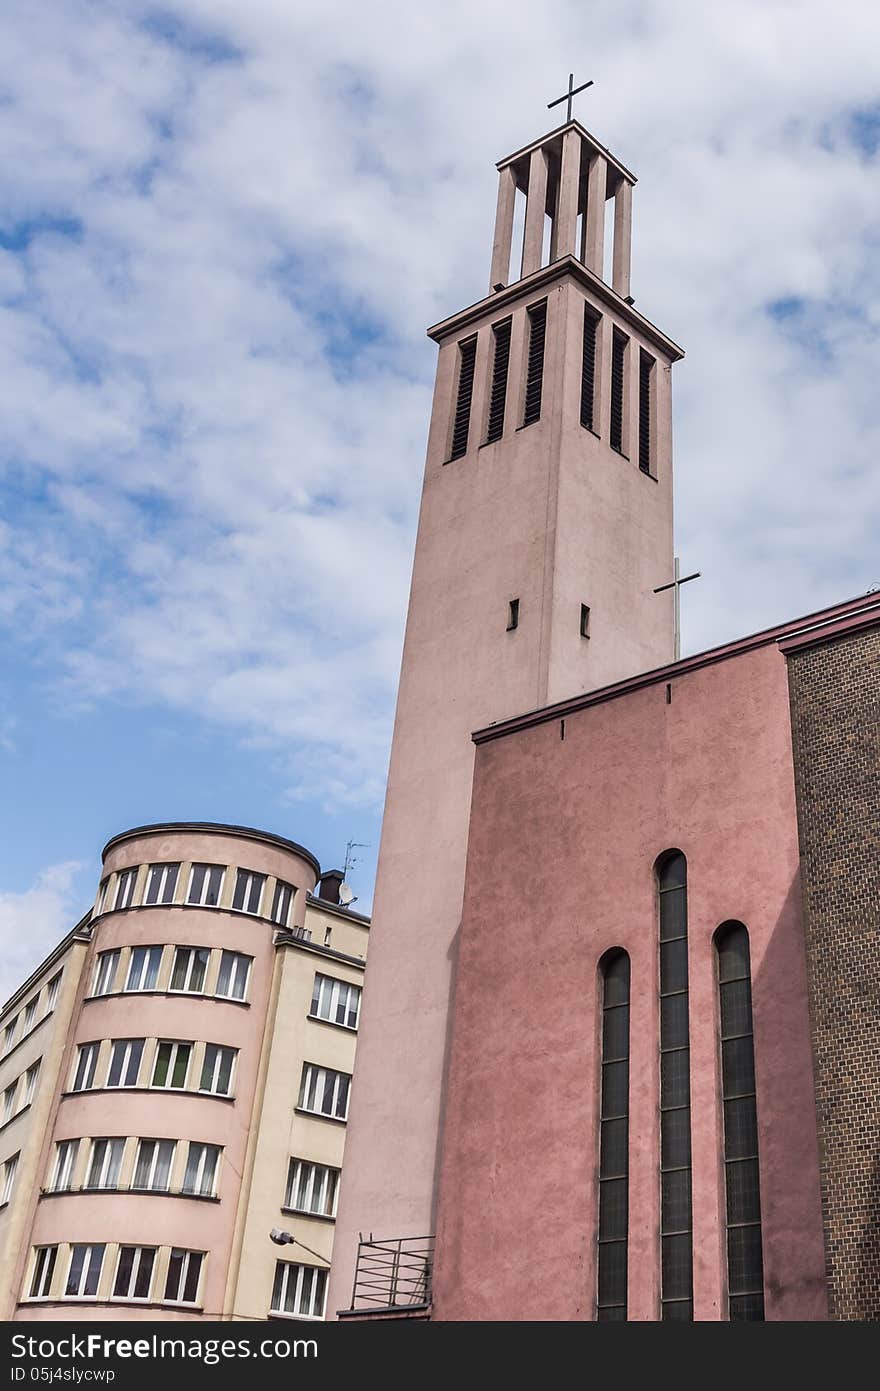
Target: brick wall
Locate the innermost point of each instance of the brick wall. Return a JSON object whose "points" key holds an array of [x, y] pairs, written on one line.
{"points": [[835, 711]]}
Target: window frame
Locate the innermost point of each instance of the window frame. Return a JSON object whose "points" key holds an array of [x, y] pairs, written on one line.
{"points": [[281, 1284], [126, 882], [281, 889], [176, 1045], [236, 957], [139, 1252], [323, 1177], [186, 1262], [66, 1155], [126, 1048], [160, 873], [108, 1161], [10, 1169], [248, 880], [87, 1053], [145, 957], [337, 986], [207, 1162], [310, 1083], [201, 900], [150, 1186], [193, 954], [40, 1283], [86, 1271], [104, 973], [216, 1068]]}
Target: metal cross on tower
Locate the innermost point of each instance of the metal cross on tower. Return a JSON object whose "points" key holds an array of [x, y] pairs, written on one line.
{"points": [[572, 92], [675, 585]]}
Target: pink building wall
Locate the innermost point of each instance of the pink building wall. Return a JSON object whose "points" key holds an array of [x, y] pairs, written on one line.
{"points": [[564, 836], [160, 1219]]}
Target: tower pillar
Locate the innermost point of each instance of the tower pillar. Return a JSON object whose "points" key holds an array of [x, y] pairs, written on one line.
{"points": [[501, 245]]}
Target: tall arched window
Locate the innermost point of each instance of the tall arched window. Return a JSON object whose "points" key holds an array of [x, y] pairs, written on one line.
{"points": [[745, 1266], [614, 1140], [677, 1265]]}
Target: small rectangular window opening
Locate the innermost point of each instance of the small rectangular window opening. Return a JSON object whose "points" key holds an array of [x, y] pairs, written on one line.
{"points": [[513, 615], [585, 620]]}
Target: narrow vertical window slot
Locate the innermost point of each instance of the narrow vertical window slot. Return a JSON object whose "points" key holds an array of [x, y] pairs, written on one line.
{"points": [[676, 1246], [745, 1265], [588, 370], [611, 1301], [467, 354], [646, 391], [498, 392], [535, 368], [618, 395], [512, 615], [585, 620]]}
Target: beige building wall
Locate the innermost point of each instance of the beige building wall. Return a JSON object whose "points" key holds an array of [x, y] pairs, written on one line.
{"points": [[284, 1131], [178, 1224], [53, 990]]}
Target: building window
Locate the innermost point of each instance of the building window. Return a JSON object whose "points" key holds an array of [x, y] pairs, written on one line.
{"points": [[171, 1065], [30, 1014], [103, 893], [282, 903], [200, 1176], [30, 1083], [467, 358], [161, 883], [86, 1062], [52, 992], [646, 390], [9, 1100], [105, 972], [105, 1163], [588, 369], [8, 1180], [84, 1272], [512, 615], [745, 1266], [585, 620], [125, 889], [336, 1001], [134, 1272], [299, 1290], [535, 367], [205, 885], [217, 1070], [232, 981], [182, 1282], [619, 343], [676, 1287], [152, 1170], [614, 1141], [65, 1158], [143, 968], [125, 1062], [498, 392], [311, 1188], [9, 1034], [189, 970], [248, 891], [324, 1091], [44, 1268]]}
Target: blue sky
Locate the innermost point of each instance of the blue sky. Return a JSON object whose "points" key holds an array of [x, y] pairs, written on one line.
{"points": [[223, 230]]}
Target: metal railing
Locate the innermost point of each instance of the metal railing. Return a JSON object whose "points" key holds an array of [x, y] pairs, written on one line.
{"points": [[394, 1273]]}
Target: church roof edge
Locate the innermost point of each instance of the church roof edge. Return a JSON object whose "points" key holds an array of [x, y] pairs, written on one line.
{"points": [[582, 130], [810, 629], [566, 265]]}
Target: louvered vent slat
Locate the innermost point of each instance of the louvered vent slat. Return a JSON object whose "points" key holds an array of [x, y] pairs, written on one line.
{"points": [[535, 369], [618, 357], [588, 375], [645, 364], [461, 424], [498, 396]]}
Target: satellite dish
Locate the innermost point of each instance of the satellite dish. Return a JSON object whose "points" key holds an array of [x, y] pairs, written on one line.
{"points": [[345, 895]]}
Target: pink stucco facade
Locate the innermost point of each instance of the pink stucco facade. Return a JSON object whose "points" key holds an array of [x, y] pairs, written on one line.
{"points": [[564, 837]]}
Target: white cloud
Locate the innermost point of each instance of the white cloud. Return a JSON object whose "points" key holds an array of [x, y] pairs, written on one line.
{"points": [[33, 921], [213, 341]]}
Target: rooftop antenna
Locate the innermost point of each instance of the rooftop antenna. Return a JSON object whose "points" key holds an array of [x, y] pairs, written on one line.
{"points": [[346, 897]]}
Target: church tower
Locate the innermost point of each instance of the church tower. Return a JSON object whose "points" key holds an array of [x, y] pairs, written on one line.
{"points": [[545, 527]]}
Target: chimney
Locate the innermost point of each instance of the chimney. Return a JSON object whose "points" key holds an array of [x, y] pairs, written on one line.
{"points": [[328, 885]]}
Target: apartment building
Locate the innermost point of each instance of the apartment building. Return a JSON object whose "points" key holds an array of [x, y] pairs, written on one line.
{"points": [[176, 1086]]}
